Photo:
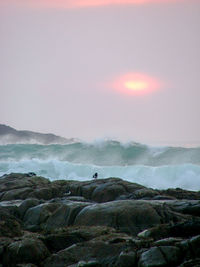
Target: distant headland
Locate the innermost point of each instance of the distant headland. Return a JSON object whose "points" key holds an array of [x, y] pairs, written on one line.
{"points": [[9, 135]]}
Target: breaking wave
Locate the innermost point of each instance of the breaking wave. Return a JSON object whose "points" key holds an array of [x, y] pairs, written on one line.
{"points": [[106, 153], [156, 167]]}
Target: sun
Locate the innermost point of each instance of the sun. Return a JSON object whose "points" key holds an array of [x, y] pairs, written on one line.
{"points": [[136, 83]]}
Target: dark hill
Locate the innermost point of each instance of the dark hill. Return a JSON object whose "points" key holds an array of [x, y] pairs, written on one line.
{"points": [[10, 135]]}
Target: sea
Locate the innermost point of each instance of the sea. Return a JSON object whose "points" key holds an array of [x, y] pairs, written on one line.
{"points": [[158, 167]]}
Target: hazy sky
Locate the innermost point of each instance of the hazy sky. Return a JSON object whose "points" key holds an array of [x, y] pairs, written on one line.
{"points": [[89, 69]]}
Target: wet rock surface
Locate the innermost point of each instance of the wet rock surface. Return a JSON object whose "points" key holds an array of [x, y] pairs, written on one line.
{"points": [[101, 222]]}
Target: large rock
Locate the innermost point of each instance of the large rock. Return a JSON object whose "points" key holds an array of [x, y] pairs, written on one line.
{"points": [[107, 192], [191, 263], [191, 247], [65, 215], [27, 250], [49, 216], [11, 207], [179, 193], [169, 241], [19, 193], [102, 190], [195, 245], [156, 233], [21, 180], [47, 192], [36, 217], [191, 207], [145, 193], [22, 186], [4, 243], [27, 204], [185, 229], [62, 238], [103, 253], [127, 259], [127, 215], [9, 225], [160, 257], [60, 241]]}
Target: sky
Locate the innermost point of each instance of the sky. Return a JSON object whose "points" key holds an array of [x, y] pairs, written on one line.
{"points": [[90, 69]]}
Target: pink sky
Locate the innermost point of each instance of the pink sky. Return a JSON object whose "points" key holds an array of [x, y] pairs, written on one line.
{"points": [[122, 71], [81, 3]]}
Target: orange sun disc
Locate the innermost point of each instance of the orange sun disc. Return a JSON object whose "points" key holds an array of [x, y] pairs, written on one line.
{"points": [[136, 83]]}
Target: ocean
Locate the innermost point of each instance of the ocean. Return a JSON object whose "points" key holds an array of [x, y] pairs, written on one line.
{"points": [[155, 167]]}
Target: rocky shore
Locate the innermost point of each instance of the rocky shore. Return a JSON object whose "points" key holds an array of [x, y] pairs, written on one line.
{"points": [[102, 222]]}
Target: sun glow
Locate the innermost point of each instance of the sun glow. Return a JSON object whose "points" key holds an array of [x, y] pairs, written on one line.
{"points": [[79, 3], [136, 83]]}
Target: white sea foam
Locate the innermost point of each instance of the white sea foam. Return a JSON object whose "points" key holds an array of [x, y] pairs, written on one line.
{"points": [[184, 176], [107, 153], [156, 167]]}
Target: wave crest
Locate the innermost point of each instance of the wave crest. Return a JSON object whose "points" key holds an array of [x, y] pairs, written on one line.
{"points": [[106, 153], [161, 177]]}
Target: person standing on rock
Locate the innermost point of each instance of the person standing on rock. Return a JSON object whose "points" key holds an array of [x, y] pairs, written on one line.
{"points": [[95, 176]]}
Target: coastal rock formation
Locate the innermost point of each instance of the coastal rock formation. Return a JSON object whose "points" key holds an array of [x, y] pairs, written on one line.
{"points": [[129, 216], [25, 251], [160, 256], [102, 222]]}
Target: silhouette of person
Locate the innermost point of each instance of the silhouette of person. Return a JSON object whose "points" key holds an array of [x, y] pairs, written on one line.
{"points": [[95, 175]]}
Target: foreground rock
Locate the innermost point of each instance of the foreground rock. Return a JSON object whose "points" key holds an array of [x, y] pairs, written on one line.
{"points": [[103, 222], [129, 216], [25, 251]]}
